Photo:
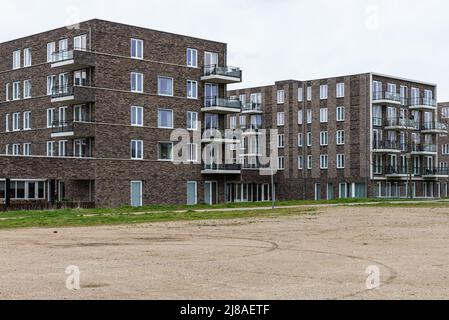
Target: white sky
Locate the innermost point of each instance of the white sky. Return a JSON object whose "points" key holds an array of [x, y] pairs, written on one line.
{"points": [[277, 40]]}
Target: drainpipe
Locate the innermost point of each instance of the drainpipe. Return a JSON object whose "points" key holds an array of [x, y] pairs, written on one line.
{"points": [[7, 193]]}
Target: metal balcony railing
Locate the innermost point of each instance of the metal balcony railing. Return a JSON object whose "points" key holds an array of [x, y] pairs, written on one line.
{"points": [[387, 145], [377, 122], [62, 55], [214, 69], [422, 102], [424, 148], [385, 95], [222, 102], [401, 122], [222, 167], [62, 126], [426, 171], [398, 170], [62, 91], [252, 106], [433, 126]]}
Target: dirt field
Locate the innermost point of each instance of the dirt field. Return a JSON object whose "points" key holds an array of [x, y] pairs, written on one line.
{"points": [[322, 256]]}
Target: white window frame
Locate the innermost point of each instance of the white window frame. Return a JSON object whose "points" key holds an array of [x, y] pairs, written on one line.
{"points": [[26, 149], [280, 119], [324, 138], [16, 121], [324, 162], [280, 96], [309, 162], [341, 116], [82, 40], [192, 149], [27, 120], [281, 141], [233, 122], [281, 163], [7, 122], [340, 90], [309, 93], [62, 148], [194, 62], [27, 58], [300, 140], [341, 161], [137, 156], [300, 162], [27, 89], [159, 154], [300, 94], [50, 117], [324, 115], [16, 149], [340, 137], [192, 87], [51, 81], [16, 91], [136, 76], [16, 56], [138, 53], [159, 86], [50, 148], [300, 116], [51, 50], [7, 89], [159, 119], [135, 111], [309, 139], [324, 92], [191, 127]]}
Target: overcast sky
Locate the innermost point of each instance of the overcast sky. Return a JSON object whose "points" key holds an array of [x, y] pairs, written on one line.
{"points": [[277, 40]]}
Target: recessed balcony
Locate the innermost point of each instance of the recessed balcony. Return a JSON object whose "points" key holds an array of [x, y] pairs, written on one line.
{"points": [[221, 105], [385, 97], [252, 108], [434, 127], [387, 147], [424, 149], [72, 129], [422, 104], [222, 169], [71, 60], [222, 75], [72, 94]]}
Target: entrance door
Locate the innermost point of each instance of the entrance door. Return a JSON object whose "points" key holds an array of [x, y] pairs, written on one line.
{"points": [[317, 191], [330, 191], [210, 192], [136, 193], [191, 193]]}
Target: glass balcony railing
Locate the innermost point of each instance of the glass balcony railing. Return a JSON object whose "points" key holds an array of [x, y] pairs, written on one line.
{"points": [[222, 102], [385, 95], [252, 106], [387, 145], [424, 148], [428, 102], [231, 72], [434, 126]]}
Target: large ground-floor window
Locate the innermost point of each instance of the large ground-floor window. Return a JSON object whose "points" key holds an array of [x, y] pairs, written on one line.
{"points": [[248, 192], [23, 190]]}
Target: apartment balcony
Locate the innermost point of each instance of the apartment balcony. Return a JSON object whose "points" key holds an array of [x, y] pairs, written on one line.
{"points": [[385, 97], [222, 169], [72, 129], [387, 147], [220, 136], [396, 172], [422, 104], [435, 173], [71, 60], [252, 108], [72, 94], [252, 130], [221, 105], [401, 124], [222, 75], [434, 127], [424, 149]]}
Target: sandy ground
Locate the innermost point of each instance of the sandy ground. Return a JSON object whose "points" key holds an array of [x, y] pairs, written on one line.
{"points": [[306, 257]]}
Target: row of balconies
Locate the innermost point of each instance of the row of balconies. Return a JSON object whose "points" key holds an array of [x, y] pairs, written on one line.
{"points": [[397, 147], [415, 103], [407, 124], [401, 171]]}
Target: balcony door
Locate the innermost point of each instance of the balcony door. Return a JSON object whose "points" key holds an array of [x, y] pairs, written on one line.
{"points": [[377, 138], [63, 82], [377, 90], [210, 94], [211, 121], [392, 161], [210, 192], [210, 60], [429, 163]]}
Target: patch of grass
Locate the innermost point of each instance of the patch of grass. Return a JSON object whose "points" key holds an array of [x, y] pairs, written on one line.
{"points": [[73, 218]]}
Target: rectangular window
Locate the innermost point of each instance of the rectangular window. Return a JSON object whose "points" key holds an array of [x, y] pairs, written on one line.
{"points": [[309, 116], [62, 148], [309, 162], [340, 90], [80, 113], [300, 139], [281, 163], [391, 88], [300, 162], [136, 49], [340, 114], [16, 121], [300, 117], [7, 122], [192, 120], [323, 115], [192, 58], [323, 92], [242, 121], [445, 113], [27, 89], [16, 59], [193, 152], [340, 137], [324, 163], [51, 49], [192, 89], [50, 148], [16, 90], [136, 82], [63, 45], [233, 122], [80, 78], [300, 94], [136, 149], [445, 149], [27, 120], [136, 116], [27, 57], [27, 149], [309, 93], [51, 82], [7, 92], [165, 119], [165, 86], [80, 42], [165, 151], [50, 117], [309, 139], [280, 96], [324, 138], [15, 149], [340, 161], [280, 119], [242, 99], [80, 148], [281, 140]]}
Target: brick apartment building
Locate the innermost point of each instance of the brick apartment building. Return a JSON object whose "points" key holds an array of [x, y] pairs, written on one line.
{"points": [[350, 136], [88, 113]]}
